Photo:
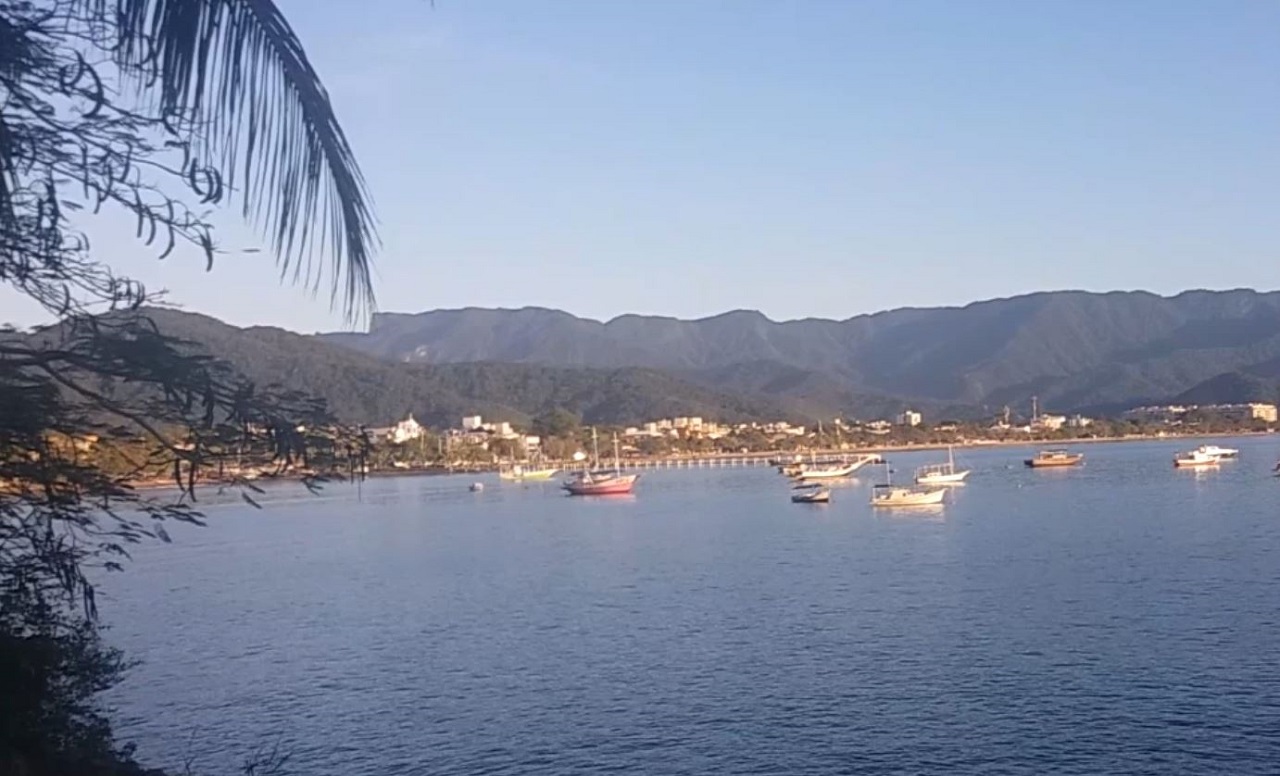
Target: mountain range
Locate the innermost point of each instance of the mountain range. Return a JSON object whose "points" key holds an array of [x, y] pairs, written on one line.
{"points": [[360, 388], [1075, 350]]}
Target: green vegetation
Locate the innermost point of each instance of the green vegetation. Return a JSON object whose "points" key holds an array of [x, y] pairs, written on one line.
{"points": [[106, 109], [1075, 350]]}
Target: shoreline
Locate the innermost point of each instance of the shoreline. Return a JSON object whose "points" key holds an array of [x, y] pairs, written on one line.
{"points": [[439, 471]]}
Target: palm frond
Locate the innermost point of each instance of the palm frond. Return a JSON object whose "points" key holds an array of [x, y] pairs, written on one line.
{"points": [[233, 76]]}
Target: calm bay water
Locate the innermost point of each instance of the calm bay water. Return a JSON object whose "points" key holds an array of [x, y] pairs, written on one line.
{"points": [[1123, 617]]}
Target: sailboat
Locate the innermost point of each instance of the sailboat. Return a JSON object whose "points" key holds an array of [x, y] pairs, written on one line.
{"points": [[942, 473], [890, 495], [593, 482]]}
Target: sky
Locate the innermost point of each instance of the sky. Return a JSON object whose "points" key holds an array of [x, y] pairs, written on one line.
{"points": [[807, 158]]}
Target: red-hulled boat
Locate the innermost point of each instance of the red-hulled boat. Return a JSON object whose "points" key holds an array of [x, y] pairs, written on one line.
{"points": [[588, 484], [597, 483]]}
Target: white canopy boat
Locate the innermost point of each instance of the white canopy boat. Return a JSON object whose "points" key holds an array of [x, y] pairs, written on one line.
{"points": [[1218, 452], [890, 495], [941, 473], [1194, 459]]}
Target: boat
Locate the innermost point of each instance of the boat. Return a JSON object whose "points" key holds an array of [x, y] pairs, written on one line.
{"points": [[1218, 452], [1054, 458], [900, 496], [942, 473], [518, 473], [890, 495], [477, 487], [811, 494], [1195, 458], [835, 469], [596, 482]]}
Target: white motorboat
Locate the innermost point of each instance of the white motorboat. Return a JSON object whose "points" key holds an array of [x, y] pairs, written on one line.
{"points": [[811, 494], [941, 473], [1218, 452], [1194, 459], [899, 496], [890, 495]]}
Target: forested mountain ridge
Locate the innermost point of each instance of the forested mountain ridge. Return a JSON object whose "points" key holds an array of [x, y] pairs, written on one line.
{"points": [[1073, 349], [363, 389]]}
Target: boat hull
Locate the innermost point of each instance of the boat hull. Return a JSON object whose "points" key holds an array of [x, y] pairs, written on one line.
{"points": [[529, 474], [1195, 460], [612, 486], [811, 498], [835, 472], [1055, 463], [954, 478], [906, 498]]}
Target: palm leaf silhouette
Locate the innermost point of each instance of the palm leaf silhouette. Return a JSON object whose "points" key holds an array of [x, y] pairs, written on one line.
{"points": [[233, 78]]}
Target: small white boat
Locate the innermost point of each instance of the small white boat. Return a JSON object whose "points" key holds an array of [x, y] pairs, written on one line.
{"points": [[898, 496], [518, 473], [890, 495], [477, 487], [811, 494], [1194, 459], [1218, 452], [941, 473]]}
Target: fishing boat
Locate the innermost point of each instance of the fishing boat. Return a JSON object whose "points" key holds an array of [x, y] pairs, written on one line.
{"points": [[942, 473], [890, 495], [594, 482], [1054, 458], [811, 494], [836, 469], [1218, 452], [518, 473], [1195, 459]]}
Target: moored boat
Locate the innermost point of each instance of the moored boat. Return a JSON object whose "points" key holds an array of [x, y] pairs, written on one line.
{"points": [[1054, 458], [890, 495], [811, 494], [1195, 459], [518, 472], [602, 483], [942, 473], [594, 484], [835, 470], [1218, 452], [899, 496]]}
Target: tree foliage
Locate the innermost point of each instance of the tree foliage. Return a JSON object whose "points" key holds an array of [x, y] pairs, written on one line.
{"points": [[154, 111]]}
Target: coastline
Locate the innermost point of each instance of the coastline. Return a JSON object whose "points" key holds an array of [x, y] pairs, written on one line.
{"points": [[436, 471]]}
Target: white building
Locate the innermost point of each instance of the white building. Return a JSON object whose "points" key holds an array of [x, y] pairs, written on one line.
{"points": [[404, 431], [910, 418], [1049, 422], [473, 423]]}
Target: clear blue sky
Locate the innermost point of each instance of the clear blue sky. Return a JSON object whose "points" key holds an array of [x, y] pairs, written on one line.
{"points": [[802, 157]]}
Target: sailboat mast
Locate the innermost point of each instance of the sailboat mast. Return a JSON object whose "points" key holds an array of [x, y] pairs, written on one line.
{"points": [[595, 449]]}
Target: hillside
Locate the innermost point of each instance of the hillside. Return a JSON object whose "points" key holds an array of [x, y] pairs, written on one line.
{"points": [[363, 389], [1073, 349]]}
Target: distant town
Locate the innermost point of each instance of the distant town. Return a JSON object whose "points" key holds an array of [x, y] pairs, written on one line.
{"points": [[561, 437]]}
